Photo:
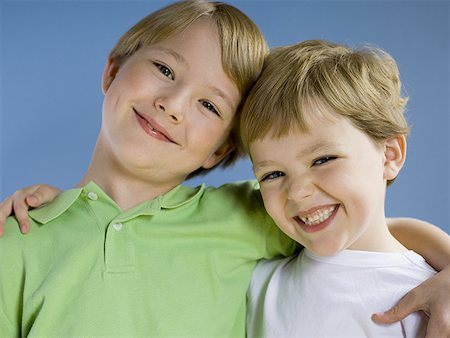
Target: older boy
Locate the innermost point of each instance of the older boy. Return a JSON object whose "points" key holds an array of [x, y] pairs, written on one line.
{"points": [[130, 252], [327, 141]]}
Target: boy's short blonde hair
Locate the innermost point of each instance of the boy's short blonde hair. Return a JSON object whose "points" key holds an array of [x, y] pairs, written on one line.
{"points": [[362, 85], [243, 45]]}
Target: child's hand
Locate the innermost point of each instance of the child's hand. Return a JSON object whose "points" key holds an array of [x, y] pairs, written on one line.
{"points": [[431, 297], [24, 199]]}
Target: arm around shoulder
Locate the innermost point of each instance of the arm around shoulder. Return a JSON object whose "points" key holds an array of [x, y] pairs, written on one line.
{"points": [[424, 238], [18, 204]]}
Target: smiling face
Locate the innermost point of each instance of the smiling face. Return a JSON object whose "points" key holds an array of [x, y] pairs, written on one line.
{"points": [[168, 108], [325, 188]]}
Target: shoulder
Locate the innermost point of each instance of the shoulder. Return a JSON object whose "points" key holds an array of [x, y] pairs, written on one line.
{"points": [[248, 187], [270, 270], [12, 244], [267, 290], [238, 201], [244, 193], [267, 267], [11, 229], [41, 220], [416, 269]]}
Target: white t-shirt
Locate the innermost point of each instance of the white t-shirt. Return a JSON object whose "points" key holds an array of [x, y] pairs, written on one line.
{"points": [[312, 296]]}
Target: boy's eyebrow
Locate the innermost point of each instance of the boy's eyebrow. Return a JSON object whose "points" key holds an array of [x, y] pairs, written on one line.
{"points": [[262, 164], [174, 54], [322, 146], [222, 94]]}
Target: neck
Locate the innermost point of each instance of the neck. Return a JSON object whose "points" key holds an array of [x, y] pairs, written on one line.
{"points": [[125, 187], [378, 238]]}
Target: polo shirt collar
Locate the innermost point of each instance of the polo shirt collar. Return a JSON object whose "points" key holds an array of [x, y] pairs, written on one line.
{"points": [[175, 198], [178, 196], [56, 208], [181, 195]]}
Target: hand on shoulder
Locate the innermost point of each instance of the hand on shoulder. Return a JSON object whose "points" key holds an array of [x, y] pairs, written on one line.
{"points": [[24, 199]]}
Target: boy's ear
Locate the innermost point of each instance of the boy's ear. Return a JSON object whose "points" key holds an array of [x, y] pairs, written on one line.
{"points": [[394, 156], [109, 74], [218, 155]]}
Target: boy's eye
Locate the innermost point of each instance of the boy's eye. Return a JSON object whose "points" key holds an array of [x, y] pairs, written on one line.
{"points": [[164, 70], [271, 176], [208, 105], [324, 160]]}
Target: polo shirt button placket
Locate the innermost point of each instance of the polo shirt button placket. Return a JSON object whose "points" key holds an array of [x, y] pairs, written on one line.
{"points": [[92, 196], [117, 226], [119, 255]]}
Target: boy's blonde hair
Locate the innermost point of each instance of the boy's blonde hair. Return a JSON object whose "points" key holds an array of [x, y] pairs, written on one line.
{"points": [[243, 45], [362, 85]]}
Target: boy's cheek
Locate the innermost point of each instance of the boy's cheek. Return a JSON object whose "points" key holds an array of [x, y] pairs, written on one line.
{"points": [[273, 207]]}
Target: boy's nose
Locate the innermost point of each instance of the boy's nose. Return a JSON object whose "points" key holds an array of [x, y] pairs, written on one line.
{"points": [[299, 189], [173, 109]]}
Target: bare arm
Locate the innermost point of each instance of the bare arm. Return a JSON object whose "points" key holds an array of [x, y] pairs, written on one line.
{"points": [[426, 239]]}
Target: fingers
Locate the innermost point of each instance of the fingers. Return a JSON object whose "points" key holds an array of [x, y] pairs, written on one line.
{"points": [[408, 304], [41, 194], [22, 200], [46, 193], [20, 208], [5, 211], [433, 298]]}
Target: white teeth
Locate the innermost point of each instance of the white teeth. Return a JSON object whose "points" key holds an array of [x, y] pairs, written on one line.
{"points": [[153, 130], [318, 216]]}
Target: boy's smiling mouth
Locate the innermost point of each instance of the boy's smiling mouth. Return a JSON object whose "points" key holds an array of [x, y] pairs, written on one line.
{"points": [[152, 128], [316, 220]]}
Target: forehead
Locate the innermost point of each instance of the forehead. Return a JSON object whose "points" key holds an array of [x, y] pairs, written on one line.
{"points": [[302, 118], [322, 133], [200, 39]]}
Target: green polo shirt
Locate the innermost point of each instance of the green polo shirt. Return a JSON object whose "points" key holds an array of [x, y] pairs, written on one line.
{"points": [[175, 266]]}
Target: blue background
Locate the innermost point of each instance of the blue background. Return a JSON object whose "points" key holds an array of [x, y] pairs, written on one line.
{"points": [[53, 54]]}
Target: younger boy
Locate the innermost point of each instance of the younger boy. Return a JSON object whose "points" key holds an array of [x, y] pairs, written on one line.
{"points": [[325, 144]]}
